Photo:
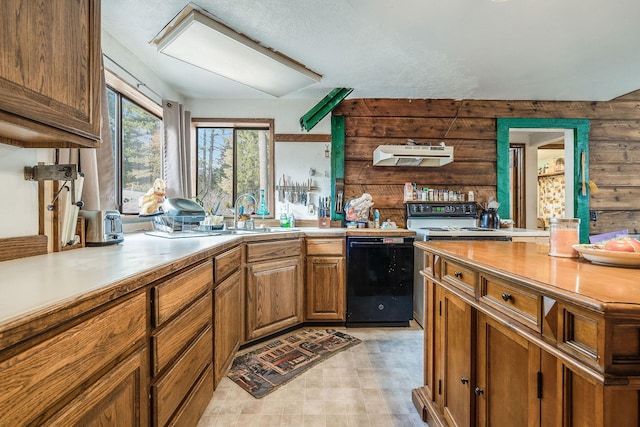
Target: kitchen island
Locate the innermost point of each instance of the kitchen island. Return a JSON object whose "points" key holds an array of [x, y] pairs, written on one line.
{"points": [[514, 336]]}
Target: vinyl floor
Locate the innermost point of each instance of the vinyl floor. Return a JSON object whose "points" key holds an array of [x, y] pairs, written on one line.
{"points": [[368, 385]]}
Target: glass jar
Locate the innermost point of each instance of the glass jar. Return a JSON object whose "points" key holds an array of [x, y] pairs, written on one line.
{"points": [[563, 234]]}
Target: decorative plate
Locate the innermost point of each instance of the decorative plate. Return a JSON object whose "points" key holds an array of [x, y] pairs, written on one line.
{"points": [[597, 255]]}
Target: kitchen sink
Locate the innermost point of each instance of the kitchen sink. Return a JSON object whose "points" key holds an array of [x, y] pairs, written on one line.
{"points": [[257, 230]]}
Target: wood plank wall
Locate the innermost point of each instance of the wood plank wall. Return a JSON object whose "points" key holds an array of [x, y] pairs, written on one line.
{"points": [[470, 127]]}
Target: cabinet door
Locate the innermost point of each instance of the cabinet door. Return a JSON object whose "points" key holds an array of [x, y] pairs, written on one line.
{"points": [[430, 358], [50, 76], [228, 310], [53, 370], [456, 325], [117, 399], [507, 376], [325, 288], [274, 296]]}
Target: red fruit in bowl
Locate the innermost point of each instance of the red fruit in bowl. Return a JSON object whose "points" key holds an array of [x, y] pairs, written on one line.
{"points": [[625, 244]]}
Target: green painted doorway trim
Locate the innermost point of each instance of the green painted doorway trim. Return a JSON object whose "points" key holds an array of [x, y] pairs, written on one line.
{"points": [[581, 145], [337, 161]]}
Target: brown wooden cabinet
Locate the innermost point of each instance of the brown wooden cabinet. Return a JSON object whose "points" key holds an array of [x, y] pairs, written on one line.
{"points": [[274, 294], [92, 371], [51, 73], [113, 400], [455, 370], [325, 284], [506, 382], [502, 351], [182, 345], [228, 310]]}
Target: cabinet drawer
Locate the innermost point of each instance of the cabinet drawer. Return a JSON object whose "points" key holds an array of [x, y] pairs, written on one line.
{"points": [[429, 260], [517, 303], [226, 263], [582, 334], [35, 379], [171, 389], [190, 412], [325, 246], [273, 249], [459, 276], [170, 340], [174, 294]]}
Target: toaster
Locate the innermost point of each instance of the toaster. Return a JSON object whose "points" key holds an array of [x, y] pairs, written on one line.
{"points": [[102, 227]]}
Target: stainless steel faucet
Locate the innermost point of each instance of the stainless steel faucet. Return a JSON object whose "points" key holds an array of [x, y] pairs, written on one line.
{"points": [[235, 207]]}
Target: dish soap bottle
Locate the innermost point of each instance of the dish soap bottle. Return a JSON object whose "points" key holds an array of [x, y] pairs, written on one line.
{"points": [[284, 220]]}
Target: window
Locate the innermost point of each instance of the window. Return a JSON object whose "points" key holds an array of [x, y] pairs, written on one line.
{"points": [[136, 134], [233, 159]]}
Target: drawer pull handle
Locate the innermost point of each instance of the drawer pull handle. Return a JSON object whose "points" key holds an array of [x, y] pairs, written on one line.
{"points": [[458, 274], [464, 380], [506, 296], [478, 391]]}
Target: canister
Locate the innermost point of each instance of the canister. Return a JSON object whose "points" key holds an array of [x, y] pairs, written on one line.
{"points": [[563, 234]]}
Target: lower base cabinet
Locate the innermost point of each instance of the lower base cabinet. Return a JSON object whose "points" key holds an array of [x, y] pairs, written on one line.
{"points": [[228, 313], [114, 400], [487, 365], [325, 282], [274, 297], [181, 345], [274, 287], [93, 372]]}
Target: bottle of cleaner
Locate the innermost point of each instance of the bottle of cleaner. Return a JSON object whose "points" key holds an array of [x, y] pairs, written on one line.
{"points": [[284, 220]]}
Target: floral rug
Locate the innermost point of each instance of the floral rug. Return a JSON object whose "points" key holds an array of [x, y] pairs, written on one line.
{"points": [[261, 370]]}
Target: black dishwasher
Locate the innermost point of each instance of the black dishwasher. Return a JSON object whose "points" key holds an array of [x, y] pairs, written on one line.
{"points": [[380, 280]]}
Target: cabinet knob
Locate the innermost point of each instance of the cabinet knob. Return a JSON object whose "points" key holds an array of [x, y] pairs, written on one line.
{"points": [[464, 380], [458, 274], [478, 391], [506, 296]]}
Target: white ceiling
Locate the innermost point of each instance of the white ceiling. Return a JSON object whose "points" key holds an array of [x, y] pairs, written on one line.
{"points": [[460, 49]]}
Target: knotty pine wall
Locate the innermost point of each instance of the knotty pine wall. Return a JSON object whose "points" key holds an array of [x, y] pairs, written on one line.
{"points": [[614, 149]]}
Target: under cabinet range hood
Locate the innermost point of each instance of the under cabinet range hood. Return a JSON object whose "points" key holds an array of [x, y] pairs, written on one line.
{"points": [[412, 155]]}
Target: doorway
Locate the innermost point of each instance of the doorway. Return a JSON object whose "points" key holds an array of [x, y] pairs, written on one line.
{"points": [[538, 176], [576, 165]]}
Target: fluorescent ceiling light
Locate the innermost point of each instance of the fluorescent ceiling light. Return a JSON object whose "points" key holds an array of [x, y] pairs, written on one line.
{"points": [[206, 43]]}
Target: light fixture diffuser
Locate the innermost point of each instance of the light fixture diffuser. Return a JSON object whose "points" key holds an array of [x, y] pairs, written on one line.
{"points": [[206, 43]]}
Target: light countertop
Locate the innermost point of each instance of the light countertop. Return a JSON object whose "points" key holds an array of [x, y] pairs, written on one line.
{"points": [[30, 286], [588, 284]]}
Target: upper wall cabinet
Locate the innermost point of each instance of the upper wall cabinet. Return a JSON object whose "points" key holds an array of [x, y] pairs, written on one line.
{"points": [[50, 62]]}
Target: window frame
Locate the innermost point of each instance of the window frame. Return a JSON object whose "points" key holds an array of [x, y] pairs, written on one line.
{"points": [[131, 94], [240, 124]]}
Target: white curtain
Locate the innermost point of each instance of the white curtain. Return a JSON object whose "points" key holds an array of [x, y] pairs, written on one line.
{"points": [[177, 149]]}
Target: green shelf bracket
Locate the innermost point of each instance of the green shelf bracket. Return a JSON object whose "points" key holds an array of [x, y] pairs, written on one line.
{"points": [[322, 108]]}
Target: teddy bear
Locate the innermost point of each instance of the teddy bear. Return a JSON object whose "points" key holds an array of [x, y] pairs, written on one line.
{"points": [[151, 201]]}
